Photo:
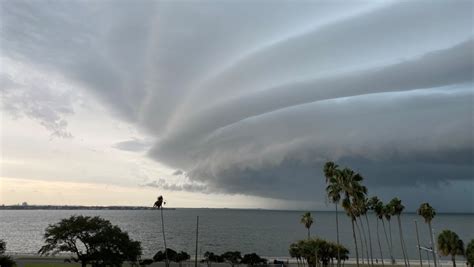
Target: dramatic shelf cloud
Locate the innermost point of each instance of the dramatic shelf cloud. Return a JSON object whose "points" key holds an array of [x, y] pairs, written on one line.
{"points": [[251, 98]]}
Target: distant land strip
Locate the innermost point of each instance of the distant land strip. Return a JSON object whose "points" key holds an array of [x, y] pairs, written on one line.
{"points": [[73, 207]]}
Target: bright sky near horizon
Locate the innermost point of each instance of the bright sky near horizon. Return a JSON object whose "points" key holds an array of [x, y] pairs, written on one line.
{"points": [[235, 103]]}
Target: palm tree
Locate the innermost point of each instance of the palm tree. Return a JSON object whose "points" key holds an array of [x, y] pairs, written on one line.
{"points": [[469, 253], [398, 208], [334, 190], [295, 252], [450, 244], [376, 205], [352, 189], [363, 207], [387, 212], [428, 213], [307, 220], [159, 204], [366, 208], [361, 237]]}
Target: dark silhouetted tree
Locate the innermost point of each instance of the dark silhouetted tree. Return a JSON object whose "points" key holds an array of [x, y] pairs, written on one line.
{"points": [[5, 260], [210, 257], [92, 240], [253, 259], [232, 257], [182, 256], [159, 204]]}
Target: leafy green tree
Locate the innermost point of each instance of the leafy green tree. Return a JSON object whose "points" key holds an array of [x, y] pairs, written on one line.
{"points": [[470, 253], [317, 250], [182, 256], [334, 191], [146, 262], [428, 213], [449, 244], [168, 255], [92, 240], [232, 257], [253, 259], [397, 208], [307, 221], [210, 257], [5, 260]]}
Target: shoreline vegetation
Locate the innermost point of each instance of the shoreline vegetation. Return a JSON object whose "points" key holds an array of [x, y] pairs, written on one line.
{"points": [[59, 260]]}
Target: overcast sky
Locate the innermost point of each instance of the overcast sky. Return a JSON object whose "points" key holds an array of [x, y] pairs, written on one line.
{"points": [[235, 103]]}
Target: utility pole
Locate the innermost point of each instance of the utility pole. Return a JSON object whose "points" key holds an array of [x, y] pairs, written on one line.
{"points": [[418, 240], [197, 236]]}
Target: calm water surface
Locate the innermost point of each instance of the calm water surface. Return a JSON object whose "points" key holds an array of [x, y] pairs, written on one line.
{"points": [[267, 233]]}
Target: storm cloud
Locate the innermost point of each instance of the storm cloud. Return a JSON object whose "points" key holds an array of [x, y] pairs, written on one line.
{"points": [[253, 97]]}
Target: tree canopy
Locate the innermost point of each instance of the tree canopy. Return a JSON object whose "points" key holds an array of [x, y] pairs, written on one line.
{"points": [[232, 257], [92, 240], [253, 259], [470, 253], [450, 244], [427, 212], [317, 250]]}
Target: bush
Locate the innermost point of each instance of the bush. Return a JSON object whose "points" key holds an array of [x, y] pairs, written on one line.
{"points": [[5, 260], [146, 262]]}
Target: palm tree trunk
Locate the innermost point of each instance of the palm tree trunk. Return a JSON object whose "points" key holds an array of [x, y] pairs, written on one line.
{"points": [[355, 242], [370, 240], [378, 240], [361, 242], [435, 260], [388, 243], [454, 260], [390, 233], [338, 244], [164, 238], [401, 242], [365, 239], [391, 240], [309, 235]]}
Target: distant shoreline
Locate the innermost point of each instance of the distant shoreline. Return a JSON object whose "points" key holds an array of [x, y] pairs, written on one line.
{"points": [[83, 207], [74, 207]]}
